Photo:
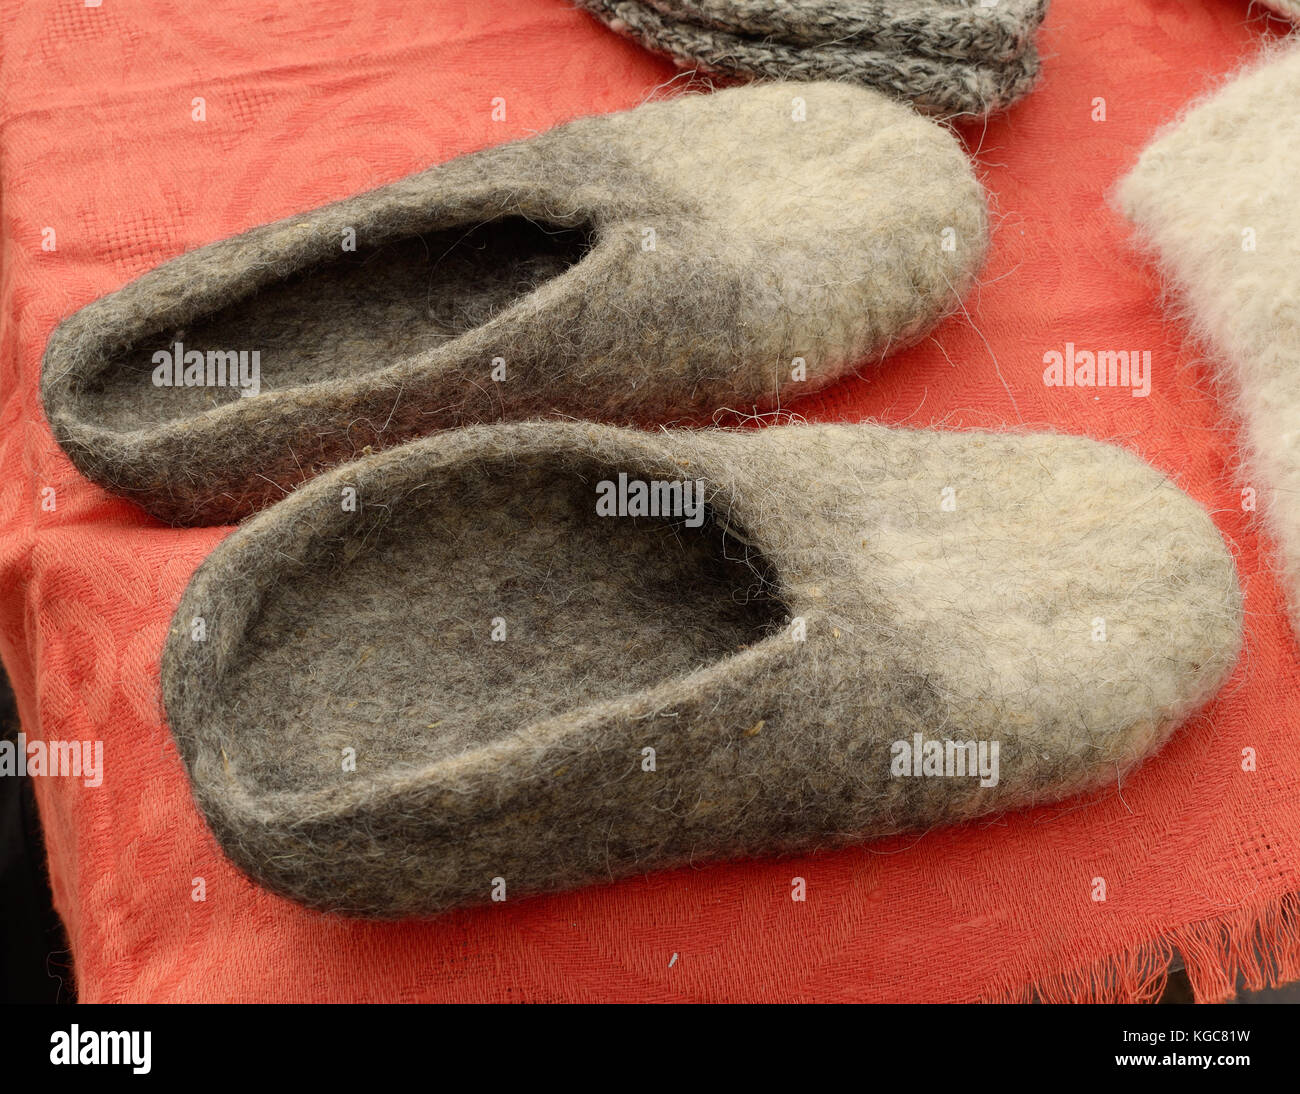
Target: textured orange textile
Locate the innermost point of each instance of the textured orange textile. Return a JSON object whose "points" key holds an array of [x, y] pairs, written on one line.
{"points": [[306, 103]]}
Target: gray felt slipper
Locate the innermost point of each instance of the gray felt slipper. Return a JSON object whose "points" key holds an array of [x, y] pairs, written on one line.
{"points": [[704, 252], [521, 657]]}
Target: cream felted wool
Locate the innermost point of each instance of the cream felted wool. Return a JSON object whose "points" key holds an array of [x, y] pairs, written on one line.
{"points": [[1289, 8], [472, 674], [703, 252], [1215, 196], [946, 57]]}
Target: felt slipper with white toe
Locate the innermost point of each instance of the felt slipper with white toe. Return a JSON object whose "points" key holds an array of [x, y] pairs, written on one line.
{"points": [[704, 252], [518, 658]]}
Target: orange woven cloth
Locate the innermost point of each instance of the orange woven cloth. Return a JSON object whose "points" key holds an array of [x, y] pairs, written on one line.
{"points": [[104, 172]]}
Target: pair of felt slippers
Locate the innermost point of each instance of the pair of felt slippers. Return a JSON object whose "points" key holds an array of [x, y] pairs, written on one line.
{"points": [[486, 639]]}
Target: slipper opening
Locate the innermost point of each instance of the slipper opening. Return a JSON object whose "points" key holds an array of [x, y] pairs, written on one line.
{"points": [[476, 602], [359, 311]]}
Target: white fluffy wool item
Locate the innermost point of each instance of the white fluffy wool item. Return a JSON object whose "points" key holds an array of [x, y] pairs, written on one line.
{"points": [[1216, 197]]}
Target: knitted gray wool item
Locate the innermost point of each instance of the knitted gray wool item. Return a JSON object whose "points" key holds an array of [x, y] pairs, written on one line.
{"points": [[945, 57], [441, 671], [964, 30], [703, 252]]}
